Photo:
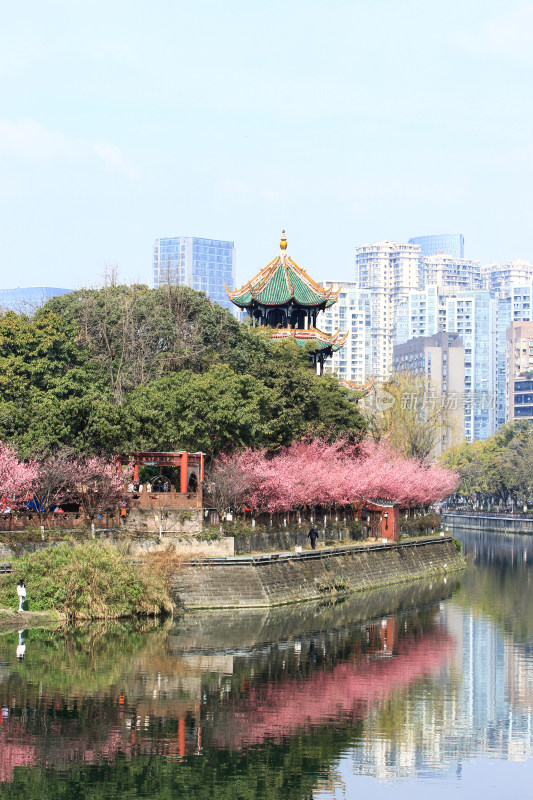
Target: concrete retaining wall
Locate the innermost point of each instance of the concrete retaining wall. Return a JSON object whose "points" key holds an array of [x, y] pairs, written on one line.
{"points": [[269, 580], [464, 522], [171, 520], [224, 632], [286, 539], [135, 546]]}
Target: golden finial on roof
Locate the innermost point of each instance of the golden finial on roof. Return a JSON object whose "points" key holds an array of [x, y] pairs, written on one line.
{"points": [[283, 243]]}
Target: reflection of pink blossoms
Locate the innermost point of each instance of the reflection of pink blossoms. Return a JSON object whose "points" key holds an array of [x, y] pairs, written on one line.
{"points": [[320, 473], [16, 478]]}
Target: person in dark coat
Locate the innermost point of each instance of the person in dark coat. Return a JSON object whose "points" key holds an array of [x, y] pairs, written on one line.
{"points": [[313, 535]]}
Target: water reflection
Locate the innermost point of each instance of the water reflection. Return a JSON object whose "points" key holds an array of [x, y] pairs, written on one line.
{"points": [[409, 681]]}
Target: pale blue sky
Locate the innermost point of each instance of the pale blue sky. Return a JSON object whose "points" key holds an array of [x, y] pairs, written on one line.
{"points": [[124, 121]]}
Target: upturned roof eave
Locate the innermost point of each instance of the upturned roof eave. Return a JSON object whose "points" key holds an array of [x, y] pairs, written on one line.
{"points": [[259, 285]]}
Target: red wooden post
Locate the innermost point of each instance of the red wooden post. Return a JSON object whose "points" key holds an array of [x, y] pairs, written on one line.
{"points": [[181, 734], [136, 473], [183, 473]]}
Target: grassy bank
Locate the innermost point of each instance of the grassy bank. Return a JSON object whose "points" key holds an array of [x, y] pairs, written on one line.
{"points": [[85, 581]]}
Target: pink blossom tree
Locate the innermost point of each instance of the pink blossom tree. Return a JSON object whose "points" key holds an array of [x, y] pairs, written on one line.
{"points": [[16, 478], [227, 485], [55, 482], [315, 473], [98, 484]]}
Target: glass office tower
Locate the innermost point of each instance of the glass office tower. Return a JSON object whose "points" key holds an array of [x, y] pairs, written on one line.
{"points": [[202, 264], [453, 244]]}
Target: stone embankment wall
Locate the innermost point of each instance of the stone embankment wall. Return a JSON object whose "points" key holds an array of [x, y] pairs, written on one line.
{"points": [[269, 580], [456, 523], [170, 520], [135, 546], [224, 632], [286, 539]]}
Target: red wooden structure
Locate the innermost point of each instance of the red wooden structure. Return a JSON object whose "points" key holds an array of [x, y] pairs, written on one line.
{"points": [[384, 519], [191, 465]]}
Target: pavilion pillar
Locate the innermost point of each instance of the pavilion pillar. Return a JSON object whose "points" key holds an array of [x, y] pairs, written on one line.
{"points": [[136, 473], [181, 737], [184, 472], [389, 635]]}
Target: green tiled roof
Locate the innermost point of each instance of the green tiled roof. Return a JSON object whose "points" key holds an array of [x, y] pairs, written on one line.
{"points": [[304, 295], [318, 345], [277, 290], [282, 282]]}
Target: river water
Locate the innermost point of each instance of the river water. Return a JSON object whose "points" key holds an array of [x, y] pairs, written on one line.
{"points": [[426, 688]]}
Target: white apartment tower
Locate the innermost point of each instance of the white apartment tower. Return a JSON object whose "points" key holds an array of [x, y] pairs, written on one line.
{"points": [[503, 276], [447, 270], [388, 271], [350, 313]]}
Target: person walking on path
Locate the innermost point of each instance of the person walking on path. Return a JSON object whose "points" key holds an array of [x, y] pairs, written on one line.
{"points": [[313, 535], [21, 591]]}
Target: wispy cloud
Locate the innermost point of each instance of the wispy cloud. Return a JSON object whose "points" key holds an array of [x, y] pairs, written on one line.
{"points": [[29, 140], [509, 35]]}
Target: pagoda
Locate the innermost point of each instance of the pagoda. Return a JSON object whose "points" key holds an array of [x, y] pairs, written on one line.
{"points": [[284, 298]]}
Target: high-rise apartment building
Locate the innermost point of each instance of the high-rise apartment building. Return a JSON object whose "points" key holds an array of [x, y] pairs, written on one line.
{"points": [[514, 304], [503, 276], [472, 315], [447, 270], [202, 264], [453, 244], [351, 313], [519, 371], [388, 270], [422, 312], [440, 359]]}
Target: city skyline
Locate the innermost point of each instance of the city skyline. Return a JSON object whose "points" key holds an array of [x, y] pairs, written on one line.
{"points": [[519, 270], [380, 120]]}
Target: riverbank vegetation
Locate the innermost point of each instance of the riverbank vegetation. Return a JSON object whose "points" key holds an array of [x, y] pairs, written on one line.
{"points": [[86, 581], [498, 470], [126, 368]]}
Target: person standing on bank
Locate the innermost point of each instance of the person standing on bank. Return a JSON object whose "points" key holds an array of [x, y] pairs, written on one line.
{"points": [[21, 592], [313, 535]]}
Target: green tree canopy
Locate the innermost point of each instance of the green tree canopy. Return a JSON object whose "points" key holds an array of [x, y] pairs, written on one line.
{"points": [[126, 367], [500, 467]]}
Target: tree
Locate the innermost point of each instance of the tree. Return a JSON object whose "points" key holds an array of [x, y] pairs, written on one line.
{"points": [[227, 486], [99, 484], [126, 367], [411, 415], [500, 467], [16, 477], [55, 481], [316, 472]]}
